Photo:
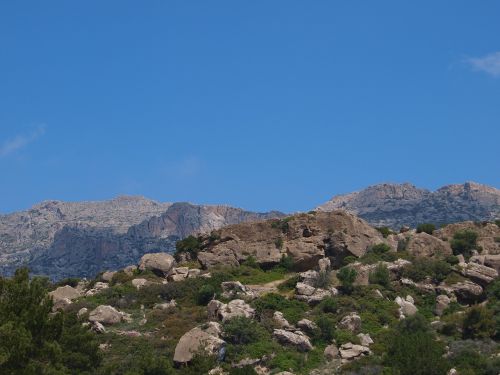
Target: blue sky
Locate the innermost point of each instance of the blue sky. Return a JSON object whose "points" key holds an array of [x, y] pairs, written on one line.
{"points": [[262, 104]]}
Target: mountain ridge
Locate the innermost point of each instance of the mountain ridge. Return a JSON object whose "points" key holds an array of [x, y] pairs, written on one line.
{"points": [[397, 205]]}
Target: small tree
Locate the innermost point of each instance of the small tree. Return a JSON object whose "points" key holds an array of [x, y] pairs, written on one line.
{"points": [[380, 276], [347, 277], [426, 228], [413, 349], [385, 231], [478, 323], [464, 242]]}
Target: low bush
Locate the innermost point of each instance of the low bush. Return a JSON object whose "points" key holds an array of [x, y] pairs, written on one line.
{"points": [[426, 228], [380, 276], [385, 231], [464, 242], [347, 277], [478, 323], [421, 268], [190, 245], [205, 295], [293, 310]]}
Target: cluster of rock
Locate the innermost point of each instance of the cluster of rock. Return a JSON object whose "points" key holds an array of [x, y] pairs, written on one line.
{"points": [[306, 290]]}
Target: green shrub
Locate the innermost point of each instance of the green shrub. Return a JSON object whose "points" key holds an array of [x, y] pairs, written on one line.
{"points": [[246, 370], [71, 281], [497, 222], [451, 259], [347, 277], [422, 268], [329, 305], [349, 259], [381, 276], [286, 263], [326, 327], [242, 331], [478, 323], [464, 242], [282, 224], [293, 310], [426, 228], [385, 231], [205, 295], [413, 349], [251, 262], [190, 245]]}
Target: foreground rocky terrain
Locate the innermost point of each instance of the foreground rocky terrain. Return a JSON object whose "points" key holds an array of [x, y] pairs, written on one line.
{"points": [[395, 205], [317, 293], [63, 239]]}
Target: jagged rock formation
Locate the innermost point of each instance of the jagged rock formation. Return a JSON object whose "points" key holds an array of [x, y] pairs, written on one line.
{"points": [[397, 205], [63, 239]]}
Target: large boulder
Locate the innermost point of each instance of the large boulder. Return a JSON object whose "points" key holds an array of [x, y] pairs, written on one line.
{"points": [[488, 260], [199, 339], [297, 339], [235, 289], [442, 303], [235, 308], [64, 292], [426, 245], [307, 293], [350, 322], [108, 315], [406, 306], [159, 263], [488, 233], [350, 351], [478, 272], [465, 291]]}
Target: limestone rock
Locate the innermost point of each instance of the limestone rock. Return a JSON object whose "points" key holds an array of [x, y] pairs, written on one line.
{"points": [[280, 321], [350, 322], [235, 308], [165, 305], [139, 283], [108, 276], [442, 303], [307, 325], [160, 263], [426, 245], [478, 272], [311, 295], [297, 339], [406, 306], [64, 292], [466, 291], [350, 351], [331, 352], [108, 315], [196, 340], [235, 289], [365, 339]]}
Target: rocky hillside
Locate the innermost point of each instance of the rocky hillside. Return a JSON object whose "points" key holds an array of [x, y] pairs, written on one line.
{"points": [[63, 239], [319, 293], [396, 205]]}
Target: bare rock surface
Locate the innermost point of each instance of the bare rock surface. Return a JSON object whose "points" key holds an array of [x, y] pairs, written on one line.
{"points": [[297, 339], [108, 315], [398, 205], [205, 339], [306, 238]]}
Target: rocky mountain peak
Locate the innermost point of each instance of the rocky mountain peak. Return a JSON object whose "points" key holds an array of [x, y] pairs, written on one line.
{"points": [[396, 205]]}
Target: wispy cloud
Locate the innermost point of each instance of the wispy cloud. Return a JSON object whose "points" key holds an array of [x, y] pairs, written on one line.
{"points": [[187, 167], [489, 64], [21, 140]]}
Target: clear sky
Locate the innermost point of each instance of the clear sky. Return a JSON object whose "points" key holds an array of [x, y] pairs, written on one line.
{"points": [[258, 104]]}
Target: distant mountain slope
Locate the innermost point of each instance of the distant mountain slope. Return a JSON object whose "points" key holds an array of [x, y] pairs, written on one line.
{"points": [[395, 205], [63, 239]]}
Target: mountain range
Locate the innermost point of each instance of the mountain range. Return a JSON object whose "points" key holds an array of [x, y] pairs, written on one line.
{"points": [[66, 239]]}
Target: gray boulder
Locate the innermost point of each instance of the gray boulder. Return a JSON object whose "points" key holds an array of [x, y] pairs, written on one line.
{"points": [[108, 315], [159, 263], [297, 339]]}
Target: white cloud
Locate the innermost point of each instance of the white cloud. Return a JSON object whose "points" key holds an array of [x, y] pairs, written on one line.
{"points": [[489, 64], [20, 141]]}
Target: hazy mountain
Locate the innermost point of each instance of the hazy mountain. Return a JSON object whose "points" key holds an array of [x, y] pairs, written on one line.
{"points": [[395, 205], [80, 239]]}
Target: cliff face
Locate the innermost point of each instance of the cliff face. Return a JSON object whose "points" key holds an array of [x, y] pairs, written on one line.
{"points": [[396, 205], [64, 239]]}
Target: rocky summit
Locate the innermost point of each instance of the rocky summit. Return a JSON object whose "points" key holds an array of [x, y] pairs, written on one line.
{"points": [[66, 239], [397, 205]]}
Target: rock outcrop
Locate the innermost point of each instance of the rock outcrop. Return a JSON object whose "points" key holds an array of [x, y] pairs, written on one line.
{"points": [[159, 263], [199, 339], [306, 238], [296, 338], [218, 310], [398, 205], [108, 315]]}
